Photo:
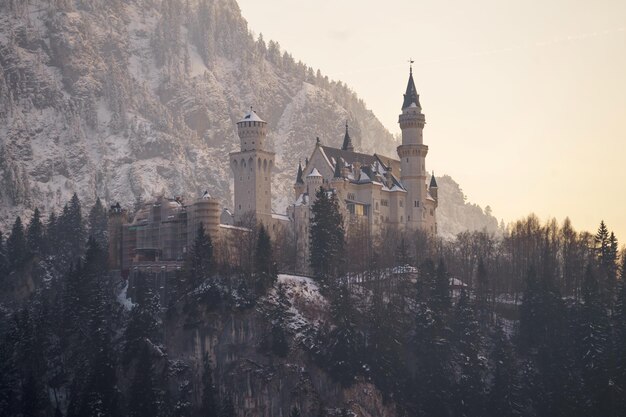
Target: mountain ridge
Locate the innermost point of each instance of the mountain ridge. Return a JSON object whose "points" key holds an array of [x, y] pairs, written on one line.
{"points": [[128, 99]]}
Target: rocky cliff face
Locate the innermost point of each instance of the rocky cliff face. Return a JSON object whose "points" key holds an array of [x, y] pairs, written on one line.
{"points": [[126, 99], [261, 383]]}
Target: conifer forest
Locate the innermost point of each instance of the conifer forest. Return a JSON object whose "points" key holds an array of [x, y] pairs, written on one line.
{"points": [[529, 324]]}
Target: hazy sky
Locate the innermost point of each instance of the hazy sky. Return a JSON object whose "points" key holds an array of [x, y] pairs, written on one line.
{"points": [[525, 101]]}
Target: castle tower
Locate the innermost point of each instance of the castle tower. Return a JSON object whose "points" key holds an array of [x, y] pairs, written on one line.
{"points": [[299, 186], [412, 155], [252, 168]]}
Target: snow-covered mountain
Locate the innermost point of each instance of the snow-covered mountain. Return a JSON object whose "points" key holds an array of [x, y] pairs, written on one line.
{"points": [[126, 99], [455, 214]]}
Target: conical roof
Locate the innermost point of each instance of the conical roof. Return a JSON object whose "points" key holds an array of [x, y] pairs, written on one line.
{"points": [[299, 179], [347, 142], [411, 96], [433, 181], [251, 116]]}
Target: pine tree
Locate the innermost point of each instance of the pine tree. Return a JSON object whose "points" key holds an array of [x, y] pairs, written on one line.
{"points": [[9, 376], [201, 257], [620, 344], [4, 260], [470, 390], [426, 281], [70, 233], [35, 234], [593, 344], [431, 388], [346, 343], [441, 292], [98, 224], [51, 235], [504, 397], [142, 395], [279, 317], [16, 245], [143, 323], [327, 236], [385, 344], [209, 406], [265, 269], [611, 267], [602, 240], [101, 397], [606, 252]]}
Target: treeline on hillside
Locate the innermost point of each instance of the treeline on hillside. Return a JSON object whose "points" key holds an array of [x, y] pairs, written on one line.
{"points": [[560, 352], [540, 330], [69, 347]]}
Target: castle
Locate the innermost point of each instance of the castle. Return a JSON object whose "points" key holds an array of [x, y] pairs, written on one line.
{"points": [[374, 192]]}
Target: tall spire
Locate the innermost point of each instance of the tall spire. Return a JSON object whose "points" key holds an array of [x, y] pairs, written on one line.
{"points": [[433, 182], [299, 179], [411, 95], [347, 142]]}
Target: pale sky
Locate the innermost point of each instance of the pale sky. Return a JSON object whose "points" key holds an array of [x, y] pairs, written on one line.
{"points": [[525, 101]]}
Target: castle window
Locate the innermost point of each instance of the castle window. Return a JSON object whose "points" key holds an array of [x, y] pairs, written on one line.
{"points": [[401, 203], [416, 203], [431, 212], [351, 196], [377, 205], [408, 218], [384, 203]]}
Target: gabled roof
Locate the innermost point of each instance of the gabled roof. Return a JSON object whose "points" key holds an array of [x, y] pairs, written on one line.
{"points": [[314, 173], [348, 157]]}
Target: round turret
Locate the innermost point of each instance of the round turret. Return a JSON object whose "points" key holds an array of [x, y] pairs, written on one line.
{"points": [[252, 131]]}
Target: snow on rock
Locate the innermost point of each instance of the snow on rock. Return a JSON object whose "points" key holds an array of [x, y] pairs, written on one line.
{"points": [[122, 298], [120, 101]]}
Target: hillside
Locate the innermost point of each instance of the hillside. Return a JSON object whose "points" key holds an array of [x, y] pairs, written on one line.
{"points": [[126, 99]]}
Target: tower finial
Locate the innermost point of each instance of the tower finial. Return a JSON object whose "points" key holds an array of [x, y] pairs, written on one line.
{"points": [[411, 96], [347, 142]]}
